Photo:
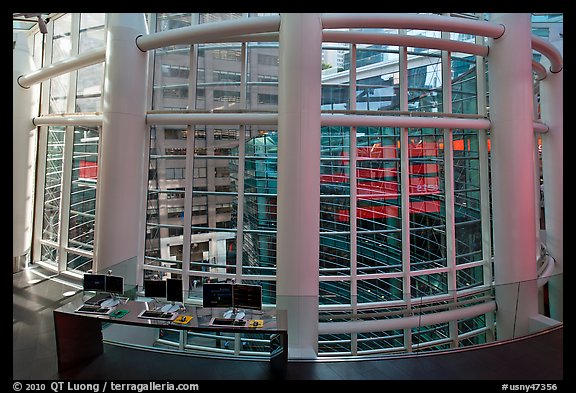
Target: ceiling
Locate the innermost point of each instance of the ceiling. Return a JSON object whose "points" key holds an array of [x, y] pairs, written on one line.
{"points": [[26, 21]]}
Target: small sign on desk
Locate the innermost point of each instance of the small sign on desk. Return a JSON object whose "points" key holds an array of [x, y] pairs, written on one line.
{"points": [[183, 319], [256, 323]]}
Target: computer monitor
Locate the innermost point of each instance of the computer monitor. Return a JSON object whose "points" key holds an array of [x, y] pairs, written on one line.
{"points": [[174, 293], [217, 295], [155, 288], [248, 296], [114, 286], [94, 282]]}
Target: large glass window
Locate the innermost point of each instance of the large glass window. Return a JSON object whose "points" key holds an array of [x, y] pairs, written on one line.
{"points": [[52, 193], [71, 163], [83, 198]]}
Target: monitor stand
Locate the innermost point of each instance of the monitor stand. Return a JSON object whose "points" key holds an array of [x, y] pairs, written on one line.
{"points": [[112, 302], [173, 307], [234, 313]]}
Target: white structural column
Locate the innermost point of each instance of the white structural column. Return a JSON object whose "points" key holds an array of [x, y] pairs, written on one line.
{"points": [[299, 179], [23, 154], [512, 144], [121, 196], [552, 109]]}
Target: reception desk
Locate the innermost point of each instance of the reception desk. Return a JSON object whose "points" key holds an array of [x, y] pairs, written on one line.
{"points": [[79, 336]]}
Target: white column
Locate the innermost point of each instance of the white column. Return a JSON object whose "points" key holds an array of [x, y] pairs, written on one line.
{"points": [[299, 179], [24, 101], [552, 109], [405, 192], [512, 142], [121, 196], [484, 184], [449, 188]]}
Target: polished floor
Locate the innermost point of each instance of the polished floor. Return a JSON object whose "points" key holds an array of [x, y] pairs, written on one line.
{"points": [[37, 292]]}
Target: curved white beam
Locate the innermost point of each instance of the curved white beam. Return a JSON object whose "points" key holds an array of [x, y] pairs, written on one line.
{"points": [[211, 118], [547, 273], [413, 21], [68, 120], [540, 127], [404, 122], [550, 51], [539, 69], [208, 31], [70, 64], [218, 118], [380, 325], [357, 37], [243, 30]]}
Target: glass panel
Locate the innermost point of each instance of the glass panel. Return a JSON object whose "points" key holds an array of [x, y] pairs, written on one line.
{"points": [[334, 344], [218, 78], [83, 195], [215, 192], [61, 49], [468, 229], [425, 84], [335, 179], [427, 217], [53, 184], [262, 78], [335, 77], [468, 278], [474, 330], [423, 335], [171, 67], [463, 83], [379, 252], [379, 341], [62, 43], [79, 262], [89, 88], [378, 174], [335, 255], [92, 33], [428, 285], [49, 254], [165, 207], [376, 91], [335, 292], [379, 290], [260, 182], [259, 253], [59, 93], [219, 16]]}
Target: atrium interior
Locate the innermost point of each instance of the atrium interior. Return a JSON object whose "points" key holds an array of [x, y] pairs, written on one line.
{"points": [[392, 182]]}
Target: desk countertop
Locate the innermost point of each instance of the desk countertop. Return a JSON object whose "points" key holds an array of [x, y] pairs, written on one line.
{"points": [[200, 317]]}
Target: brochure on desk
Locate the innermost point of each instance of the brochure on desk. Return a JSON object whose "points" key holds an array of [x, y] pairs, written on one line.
{"points": [[119, 313]]}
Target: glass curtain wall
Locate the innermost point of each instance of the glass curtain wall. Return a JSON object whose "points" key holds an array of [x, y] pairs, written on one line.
{"points": [[216, 185], [213, 185], [362, 222], [69, 166], [211, 212]]}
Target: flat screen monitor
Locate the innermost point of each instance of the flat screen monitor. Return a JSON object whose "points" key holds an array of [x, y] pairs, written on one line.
{"points": [[217, 295], [174, 291], [115, 284], [248, 296], [94, 282], [155, 288]]}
